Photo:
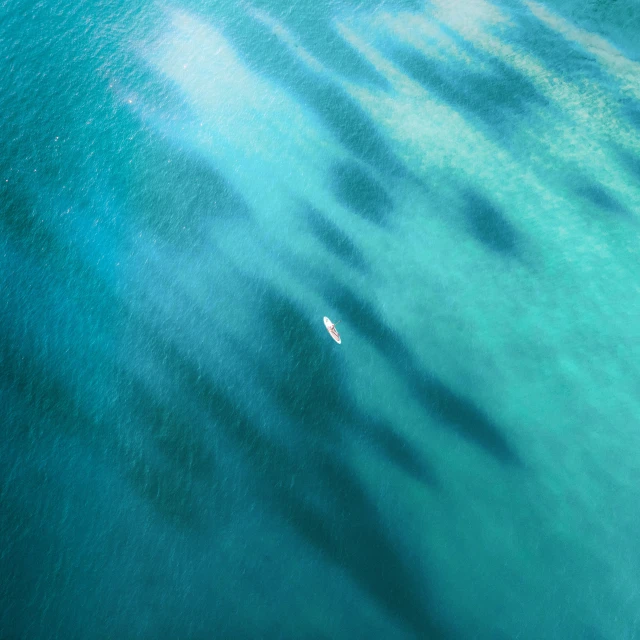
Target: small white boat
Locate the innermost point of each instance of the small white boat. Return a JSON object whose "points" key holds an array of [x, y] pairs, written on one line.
{"points": [[331, 328]]}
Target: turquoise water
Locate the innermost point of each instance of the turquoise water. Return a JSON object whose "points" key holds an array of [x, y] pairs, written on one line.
{"points": [[187, 188]]}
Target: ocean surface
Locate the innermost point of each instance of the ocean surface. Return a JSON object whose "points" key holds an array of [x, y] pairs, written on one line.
{"points": [[188, 187]]}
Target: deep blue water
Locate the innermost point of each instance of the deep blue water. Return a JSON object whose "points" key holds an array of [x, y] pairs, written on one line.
{"points": [[187, 188]]}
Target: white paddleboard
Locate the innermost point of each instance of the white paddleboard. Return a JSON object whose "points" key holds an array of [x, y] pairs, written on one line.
{"points": [[331, 328]]}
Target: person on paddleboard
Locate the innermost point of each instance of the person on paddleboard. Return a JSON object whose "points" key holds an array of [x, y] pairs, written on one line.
{"points": [[331, 328]]}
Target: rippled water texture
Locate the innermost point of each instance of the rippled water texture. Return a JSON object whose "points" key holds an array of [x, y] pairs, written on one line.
{"points": [[187, 188]]}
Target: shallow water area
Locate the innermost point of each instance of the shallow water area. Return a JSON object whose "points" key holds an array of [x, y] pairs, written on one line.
{"points": [[187, 188]]}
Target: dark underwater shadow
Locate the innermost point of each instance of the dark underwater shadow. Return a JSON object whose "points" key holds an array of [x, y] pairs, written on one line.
{"points": [[359, 191], [313, 394], [631, 162], [495, 99], [190, 195], [314, 28], [632, 112], [70, 302], [335, 241], [445, 405], [616, 22], [305, 478], [177, 471], [489, 225], [32, 380], [351, 534], [173, 472], [341, 114], [598, 196], [566, 58], [22, 225]]}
